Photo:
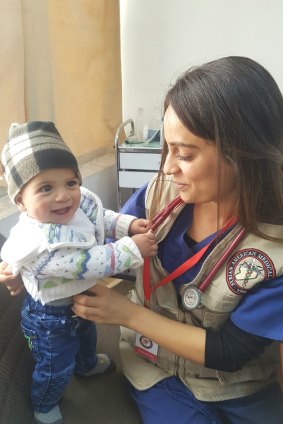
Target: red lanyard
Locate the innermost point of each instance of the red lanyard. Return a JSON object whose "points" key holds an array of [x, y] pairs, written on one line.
{"points": [[148, 290]]}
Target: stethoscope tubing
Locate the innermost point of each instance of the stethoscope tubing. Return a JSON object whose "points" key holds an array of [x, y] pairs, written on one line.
{"points": [[205, 283], [162, 215]]}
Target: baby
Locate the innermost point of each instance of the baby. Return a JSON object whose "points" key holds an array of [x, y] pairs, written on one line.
{"points": [[58, 248]]}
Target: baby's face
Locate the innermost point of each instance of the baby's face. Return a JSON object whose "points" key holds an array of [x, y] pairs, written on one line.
{"points": [[53, 196]]}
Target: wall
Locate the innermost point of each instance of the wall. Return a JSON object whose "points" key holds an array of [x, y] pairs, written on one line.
{"points": [[60, 61], [161, 38]]}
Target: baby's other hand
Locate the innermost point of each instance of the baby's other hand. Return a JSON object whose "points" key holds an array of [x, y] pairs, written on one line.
{"points": [[5, 270], [139, 226], [146, 244], [13, 283]]}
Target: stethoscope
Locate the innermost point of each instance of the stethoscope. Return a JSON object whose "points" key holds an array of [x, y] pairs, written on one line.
{"points": [[190, 294]]}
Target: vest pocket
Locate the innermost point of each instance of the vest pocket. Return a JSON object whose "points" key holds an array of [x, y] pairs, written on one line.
{"points": [[214, 319], [254, 372]]}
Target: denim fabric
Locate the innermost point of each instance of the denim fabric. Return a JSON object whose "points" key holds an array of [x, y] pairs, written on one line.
{"points": [[61, 345], [171, 401]]}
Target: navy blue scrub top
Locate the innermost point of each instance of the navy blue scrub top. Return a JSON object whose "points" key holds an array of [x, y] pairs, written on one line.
{"points": [[259, 312]]}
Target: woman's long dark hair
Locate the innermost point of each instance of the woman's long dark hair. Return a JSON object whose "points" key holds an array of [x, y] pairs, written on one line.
{"points": [[235, 102]]}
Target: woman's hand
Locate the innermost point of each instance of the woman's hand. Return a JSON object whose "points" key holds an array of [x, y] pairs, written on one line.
{"points": [[104, 305], [13, 283]]}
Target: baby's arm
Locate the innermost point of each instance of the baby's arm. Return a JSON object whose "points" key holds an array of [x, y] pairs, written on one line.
{"points": [[132, 226], [118, 225], [97, 261]]}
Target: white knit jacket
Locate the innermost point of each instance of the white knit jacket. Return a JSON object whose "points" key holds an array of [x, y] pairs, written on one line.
{"points": [[58, 261]]}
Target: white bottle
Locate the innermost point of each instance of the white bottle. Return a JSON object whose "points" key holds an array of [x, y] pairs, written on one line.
{"points": [[139, 124], [145, 132]]}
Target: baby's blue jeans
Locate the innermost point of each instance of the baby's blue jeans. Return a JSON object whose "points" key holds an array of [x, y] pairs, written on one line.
{"points": [[61, 344]]}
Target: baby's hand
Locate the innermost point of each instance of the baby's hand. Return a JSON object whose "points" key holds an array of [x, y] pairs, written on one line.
{"points": [[5, 270], [13, 283], [139, 226], [146, 243]]}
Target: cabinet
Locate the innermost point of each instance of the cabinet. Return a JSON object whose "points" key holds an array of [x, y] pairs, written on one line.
{"points": [[136, 163]]}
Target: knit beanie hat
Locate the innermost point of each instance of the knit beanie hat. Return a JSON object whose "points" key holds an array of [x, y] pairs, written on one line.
{"points": [[31, 148]]}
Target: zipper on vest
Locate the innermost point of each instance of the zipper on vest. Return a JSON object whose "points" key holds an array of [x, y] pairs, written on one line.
{"points": [[219, 378], [180, 318]]}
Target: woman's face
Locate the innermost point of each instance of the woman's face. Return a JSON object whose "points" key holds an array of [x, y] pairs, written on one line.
{"points": [[197, 170]]}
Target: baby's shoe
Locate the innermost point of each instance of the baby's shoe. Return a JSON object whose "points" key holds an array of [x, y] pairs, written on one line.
{"points": [[104, 365], [54, 416]]}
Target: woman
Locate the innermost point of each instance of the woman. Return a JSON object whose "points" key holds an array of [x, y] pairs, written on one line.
{"points": [[213, 361], [198, 349]]}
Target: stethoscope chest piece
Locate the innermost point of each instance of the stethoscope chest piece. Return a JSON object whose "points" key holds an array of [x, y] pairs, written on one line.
{"points": [[191, 298]]}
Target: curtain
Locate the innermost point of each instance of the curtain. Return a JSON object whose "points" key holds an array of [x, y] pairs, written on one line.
{"points": [[60, 61]]}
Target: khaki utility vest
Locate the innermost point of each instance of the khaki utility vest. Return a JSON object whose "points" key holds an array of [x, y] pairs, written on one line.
{"points": [[259, 259]]}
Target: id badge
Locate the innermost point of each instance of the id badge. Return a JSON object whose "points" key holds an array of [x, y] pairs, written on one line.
{"points": [[146, 347]]}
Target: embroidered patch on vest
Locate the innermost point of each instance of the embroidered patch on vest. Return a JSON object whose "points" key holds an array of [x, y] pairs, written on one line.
{"points": [[248, 265], [145, 342]]}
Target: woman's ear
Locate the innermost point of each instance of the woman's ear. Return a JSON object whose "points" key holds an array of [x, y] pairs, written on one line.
{"points": [[19, 203]]}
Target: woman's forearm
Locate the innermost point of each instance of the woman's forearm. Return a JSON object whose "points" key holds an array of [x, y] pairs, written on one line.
{"points": [[107, 306], [182, 339]]}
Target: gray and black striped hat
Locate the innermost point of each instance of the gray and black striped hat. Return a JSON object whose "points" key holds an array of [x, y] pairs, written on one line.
{"points": [[31, 148]]}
